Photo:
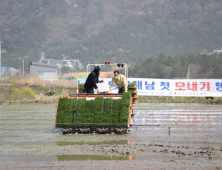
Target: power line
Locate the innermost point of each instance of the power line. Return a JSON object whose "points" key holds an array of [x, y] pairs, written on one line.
{"points": [[0, 58]]}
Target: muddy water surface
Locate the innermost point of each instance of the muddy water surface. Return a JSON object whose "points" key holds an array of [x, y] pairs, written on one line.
{"points": [[162, 136]]}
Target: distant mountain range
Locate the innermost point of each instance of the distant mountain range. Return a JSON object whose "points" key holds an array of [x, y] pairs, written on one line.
{"points": [[97, 30]]}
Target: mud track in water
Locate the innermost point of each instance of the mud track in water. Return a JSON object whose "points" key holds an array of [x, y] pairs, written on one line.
{"points": [[28, 140]]}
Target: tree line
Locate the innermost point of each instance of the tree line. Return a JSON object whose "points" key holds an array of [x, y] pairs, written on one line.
{"points": [[201, 67]]}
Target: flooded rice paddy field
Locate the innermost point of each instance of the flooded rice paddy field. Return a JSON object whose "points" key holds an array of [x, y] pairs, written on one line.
{"points": [[165, 136]]}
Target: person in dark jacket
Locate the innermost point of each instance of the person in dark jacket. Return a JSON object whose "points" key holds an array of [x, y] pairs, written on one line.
{"points": [[92, 79]]}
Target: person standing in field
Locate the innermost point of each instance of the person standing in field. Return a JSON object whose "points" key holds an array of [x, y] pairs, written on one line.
{"points": [[92, 79], [120, 81]]}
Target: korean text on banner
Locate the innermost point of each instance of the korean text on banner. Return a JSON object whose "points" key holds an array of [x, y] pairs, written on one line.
{"points": [[170, 87]]}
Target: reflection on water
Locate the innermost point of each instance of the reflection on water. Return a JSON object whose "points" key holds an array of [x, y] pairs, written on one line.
{"points": [[179, 117], [57, 158], [65, 143], [197, 125], [90, 157], [183, 122]]}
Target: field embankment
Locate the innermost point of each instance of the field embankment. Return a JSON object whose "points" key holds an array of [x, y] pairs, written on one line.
{"points": [[27, 90], [24, 90]]}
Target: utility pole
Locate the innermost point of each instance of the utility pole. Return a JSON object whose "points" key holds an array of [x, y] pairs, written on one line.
{"points": [[23, 66], [188, 72], [0, 58]]}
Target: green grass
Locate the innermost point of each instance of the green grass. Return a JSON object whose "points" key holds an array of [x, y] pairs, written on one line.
{"points": [[107, 110], [79, 119], [8, 92], [133, 84], [115, 112], [88, 112], [125, 108], [98, 112], [94, 113], [81, 86]]}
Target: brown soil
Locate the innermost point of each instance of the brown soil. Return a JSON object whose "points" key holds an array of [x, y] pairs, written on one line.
{"points": [[193, 142], [42, 99]]}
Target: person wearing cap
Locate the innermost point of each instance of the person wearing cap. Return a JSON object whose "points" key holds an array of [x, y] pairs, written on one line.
{"points": [[92, 79], [120, 81]]}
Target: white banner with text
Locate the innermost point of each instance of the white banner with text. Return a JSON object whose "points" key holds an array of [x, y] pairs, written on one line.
{"points": [[169, 87]]}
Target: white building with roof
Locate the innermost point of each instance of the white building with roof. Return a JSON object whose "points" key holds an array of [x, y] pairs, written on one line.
{"points": [[43, 70], [214, 52]]}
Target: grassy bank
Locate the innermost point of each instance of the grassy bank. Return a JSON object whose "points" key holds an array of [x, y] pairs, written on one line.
{"points": [[21, 93], [58, 90], [35, 81]]}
